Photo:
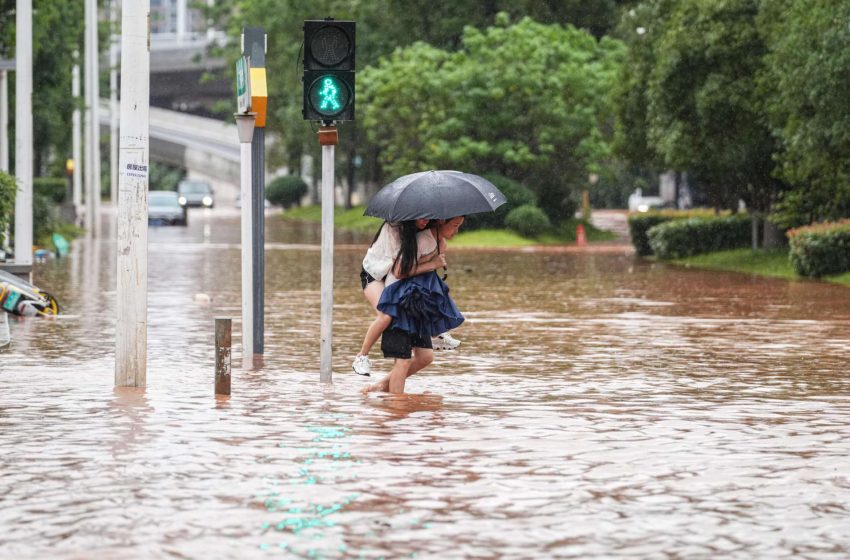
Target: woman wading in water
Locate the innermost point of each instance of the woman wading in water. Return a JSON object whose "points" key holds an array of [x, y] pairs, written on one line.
{"points": [[418, 304]]}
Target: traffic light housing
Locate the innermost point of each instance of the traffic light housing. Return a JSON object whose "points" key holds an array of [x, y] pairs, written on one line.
{"points": [[328, 79]]}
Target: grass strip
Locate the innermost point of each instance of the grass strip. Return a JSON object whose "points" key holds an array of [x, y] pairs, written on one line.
{"points": [[772, 263]]}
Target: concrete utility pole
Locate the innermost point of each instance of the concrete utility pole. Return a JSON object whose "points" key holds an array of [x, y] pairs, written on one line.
{"points": [[5, 66], [23, 132], [131, 329], [76, 140], [93, 82], [113, 102]]}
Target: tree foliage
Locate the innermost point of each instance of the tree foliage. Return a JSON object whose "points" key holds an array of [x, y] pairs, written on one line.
{"points": [[382, 27], [690, 101], [57, 33], [749, 96], [805, 84], [528, 101]]}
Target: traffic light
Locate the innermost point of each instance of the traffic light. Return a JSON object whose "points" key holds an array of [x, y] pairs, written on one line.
{"points": [[328, 70]]}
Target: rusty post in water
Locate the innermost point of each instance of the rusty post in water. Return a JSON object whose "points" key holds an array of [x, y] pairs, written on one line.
{"points": [[222, 355]]}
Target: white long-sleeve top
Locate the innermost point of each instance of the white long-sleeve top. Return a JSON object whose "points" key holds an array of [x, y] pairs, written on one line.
{"points": [[381, 255]]}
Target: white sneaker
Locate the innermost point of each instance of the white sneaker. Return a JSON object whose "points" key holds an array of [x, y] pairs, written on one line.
{"points": [[362, 365], [445, 341]]}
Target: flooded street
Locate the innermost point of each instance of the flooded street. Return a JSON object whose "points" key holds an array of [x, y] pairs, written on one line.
{"points": [[599, 406]]}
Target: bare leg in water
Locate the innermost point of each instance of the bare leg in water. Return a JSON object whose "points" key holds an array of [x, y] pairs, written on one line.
{"points": [[402, 369], [381, 321]]}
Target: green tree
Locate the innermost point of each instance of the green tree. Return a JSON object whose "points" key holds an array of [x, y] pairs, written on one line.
{"points": [[527, 101], [704, 111], [57, 33], [805, 83], [382, 27]]}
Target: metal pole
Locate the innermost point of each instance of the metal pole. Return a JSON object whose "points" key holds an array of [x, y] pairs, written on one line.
{"points": [[88, 151], [247, 251], [327, 279], [4, 121], [245, 128], [113, 103], [23, 132], [132, 278], [254, 46], [94, 76], [76, 146], [258, 181], [223, 330]]}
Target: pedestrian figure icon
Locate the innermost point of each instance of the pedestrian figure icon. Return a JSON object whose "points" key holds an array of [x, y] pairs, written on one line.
{"points": [[329, 95]]}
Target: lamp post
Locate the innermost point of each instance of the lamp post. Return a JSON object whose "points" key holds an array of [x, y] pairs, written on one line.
{"points": [[245, 127]]}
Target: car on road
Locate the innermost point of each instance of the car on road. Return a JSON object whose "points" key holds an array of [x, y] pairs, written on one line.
{"points": [[164, 208], [194, 193]]}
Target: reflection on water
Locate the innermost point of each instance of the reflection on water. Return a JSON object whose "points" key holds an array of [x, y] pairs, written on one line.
{"points": [[599, 407]]}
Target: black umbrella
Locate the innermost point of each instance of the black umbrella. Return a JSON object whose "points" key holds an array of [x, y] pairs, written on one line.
{"points": [[434, 194]]}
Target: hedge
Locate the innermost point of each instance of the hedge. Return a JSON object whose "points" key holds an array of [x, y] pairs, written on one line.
{"points": [[286, 191], [528, 220], [683, 238], [53, 188], [820, 249], [640, 223], [517, 195]]}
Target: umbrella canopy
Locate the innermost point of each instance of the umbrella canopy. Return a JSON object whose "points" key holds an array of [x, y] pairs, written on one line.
{"points": [[434, 194]]}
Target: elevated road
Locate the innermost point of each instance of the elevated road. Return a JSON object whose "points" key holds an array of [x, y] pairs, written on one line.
{"points": [[206, 148]]}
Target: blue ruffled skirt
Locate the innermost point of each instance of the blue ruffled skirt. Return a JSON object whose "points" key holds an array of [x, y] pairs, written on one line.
{"points": [[420, 305]]}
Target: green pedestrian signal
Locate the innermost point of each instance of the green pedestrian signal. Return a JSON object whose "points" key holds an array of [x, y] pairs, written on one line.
{"points": [[328, 70], [327, 95]]}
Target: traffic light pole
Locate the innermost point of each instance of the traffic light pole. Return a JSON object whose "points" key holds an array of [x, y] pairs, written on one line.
{"points": [[328, 138]]}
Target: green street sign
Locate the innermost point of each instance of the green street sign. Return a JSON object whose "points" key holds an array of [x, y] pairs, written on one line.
{"points": [[243, 85]]}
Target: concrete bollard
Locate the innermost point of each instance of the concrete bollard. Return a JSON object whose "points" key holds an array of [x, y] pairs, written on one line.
{"points": [[223, 328]]}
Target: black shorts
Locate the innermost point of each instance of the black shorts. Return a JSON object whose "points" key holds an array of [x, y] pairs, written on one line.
{"points": [[365, 278], [396, 343]]}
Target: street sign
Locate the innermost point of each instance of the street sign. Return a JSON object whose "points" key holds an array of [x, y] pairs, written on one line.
{"points": [[243, 85]]}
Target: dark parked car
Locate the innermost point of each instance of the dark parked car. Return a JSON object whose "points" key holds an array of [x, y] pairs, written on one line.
{"points": [[196, 193], [163, 208]]}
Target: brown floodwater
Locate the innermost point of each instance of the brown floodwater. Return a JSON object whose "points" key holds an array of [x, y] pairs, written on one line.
{"points": [[600, 406]]}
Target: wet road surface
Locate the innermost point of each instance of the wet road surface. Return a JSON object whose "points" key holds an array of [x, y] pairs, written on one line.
{"points": [[600, 406]]}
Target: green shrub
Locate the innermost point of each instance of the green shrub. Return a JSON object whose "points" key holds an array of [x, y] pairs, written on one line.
{"points": [[693, 236], [286, 191], [517, 195], [528, 220], [820, 249], [53, 188], [640, 223], [8, 188]]}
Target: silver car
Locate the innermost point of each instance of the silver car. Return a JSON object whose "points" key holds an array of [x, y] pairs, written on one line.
{"points": [[163, 208], [195, 193]]}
